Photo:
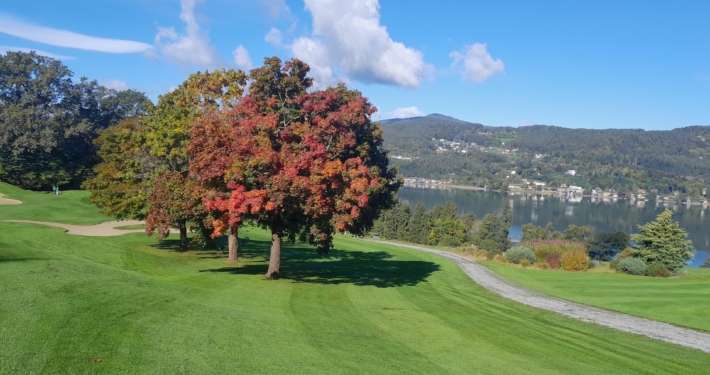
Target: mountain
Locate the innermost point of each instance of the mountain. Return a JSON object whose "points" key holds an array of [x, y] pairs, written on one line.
{"points": [[675, 160]]}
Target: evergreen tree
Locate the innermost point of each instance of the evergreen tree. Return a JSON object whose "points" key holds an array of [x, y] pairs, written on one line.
{"points": [[664, 241]]}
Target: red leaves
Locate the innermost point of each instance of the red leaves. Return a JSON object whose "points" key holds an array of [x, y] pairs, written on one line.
{"points": [[288, 156]]}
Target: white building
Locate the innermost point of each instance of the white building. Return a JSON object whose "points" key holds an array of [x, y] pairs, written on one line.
{"points": [[571, 172]]}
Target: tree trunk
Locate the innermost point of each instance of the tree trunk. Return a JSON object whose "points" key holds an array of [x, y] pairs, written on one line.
{"points": [[275, 258], [182, 225], [233, 244]]}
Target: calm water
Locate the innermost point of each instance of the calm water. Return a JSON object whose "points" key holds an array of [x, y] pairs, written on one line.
{"points": [[604, 216]]}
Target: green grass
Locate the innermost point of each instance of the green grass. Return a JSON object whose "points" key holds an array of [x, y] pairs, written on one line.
{"points": [[683, 301], [69, 207], [143, 308], [131, 227]]}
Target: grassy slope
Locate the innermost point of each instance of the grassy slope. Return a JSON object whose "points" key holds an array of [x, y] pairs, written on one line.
{"points": [[69, 207], [683, 301], [368, 308]]}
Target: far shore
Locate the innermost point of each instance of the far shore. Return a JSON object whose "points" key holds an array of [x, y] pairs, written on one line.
{"points": [[529, 192]]}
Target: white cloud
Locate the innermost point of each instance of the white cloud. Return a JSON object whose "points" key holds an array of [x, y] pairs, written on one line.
{"points": [[276, 7], [242, 59], [63, 38], [314, 53], [191, 48], [407, 112], [5, 49], [478, 63], [115, 84], [274, 37], [351, 38]]}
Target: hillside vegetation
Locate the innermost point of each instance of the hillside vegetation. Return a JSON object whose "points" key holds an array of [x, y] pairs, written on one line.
{"points": [[621, 159]]}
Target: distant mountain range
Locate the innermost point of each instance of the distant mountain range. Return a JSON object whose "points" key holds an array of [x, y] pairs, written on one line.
{"points": [[675, 160]]}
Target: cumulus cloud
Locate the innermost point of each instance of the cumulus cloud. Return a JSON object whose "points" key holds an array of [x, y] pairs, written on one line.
{"points": [[192, 47], [63, 38], [407, 112], [276, 7], [478, 64], [115, 84], [5, 49], [274, 37], [315, 54], [242, 59], [349, 36]]}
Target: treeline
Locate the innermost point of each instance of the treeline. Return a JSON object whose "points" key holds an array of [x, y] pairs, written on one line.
{"points": [[621, 159], [48, 122], [443, 226]]}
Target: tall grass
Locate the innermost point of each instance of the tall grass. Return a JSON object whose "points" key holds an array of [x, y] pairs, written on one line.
{"points": [[546, 247]]}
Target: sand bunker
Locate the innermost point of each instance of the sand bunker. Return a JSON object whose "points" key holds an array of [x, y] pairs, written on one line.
{"points": [[98, 230], [8, 202]]}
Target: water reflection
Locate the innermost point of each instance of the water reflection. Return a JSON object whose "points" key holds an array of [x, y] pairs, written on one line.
{"points": [[605, 215]]}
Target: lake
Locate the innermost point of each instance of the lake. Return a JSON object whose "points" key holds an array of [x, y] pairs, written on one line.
{"points": [[605, 216]]}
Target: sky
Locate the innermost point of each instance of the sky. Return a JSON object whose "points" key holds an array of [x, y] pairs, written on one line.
{"points": [[572, 63]]}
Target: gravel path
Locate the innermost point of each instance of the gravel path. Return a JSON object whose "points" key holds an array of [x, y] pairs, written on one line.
{"points": [[98, 230], [8, 201], [651, 328]]}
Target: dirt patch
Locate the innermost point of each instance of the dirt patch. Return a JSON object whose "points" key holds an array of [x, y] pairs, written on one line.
{"points": [[641, 326], [8, 201], [99, 230]]}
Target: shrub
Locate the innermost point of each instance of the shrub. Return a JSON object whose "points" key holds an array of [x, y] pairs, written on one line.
{"points": [[543, 266], [627, 253], [519, 253], [544, 248], [553, 260], [657, 269], [492, 253], [591, 265], [632, 266], [574, 260], [500, 258], [525, 263], [706, 264]]}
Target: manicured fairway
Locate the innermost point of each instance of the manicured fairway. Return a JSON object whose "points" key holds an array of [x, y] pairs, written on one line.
{"points": [[68, 301], [683, 301], [70, 207]]}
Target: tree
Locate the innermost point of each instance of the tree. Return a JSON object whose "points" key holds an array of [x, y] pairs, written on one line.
{"points": [[578, 233], [48, 122], [664, 241], [604, 245], [145, 169], [303, 165], [491, 232], [419, 225]]}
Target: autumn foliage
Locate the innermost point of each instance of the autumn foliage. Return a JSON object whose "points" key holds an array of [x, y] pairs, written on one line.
{"points": [[301, 164]]}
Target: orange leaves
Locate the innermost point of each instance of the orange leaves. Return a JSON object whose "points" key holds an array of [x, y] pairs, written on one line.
{"points": [[293, 160]]}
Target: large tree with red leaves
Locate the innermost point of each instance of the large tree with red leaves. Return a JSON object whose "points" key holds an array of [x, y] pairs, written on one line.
{"points": [[301, 164]]}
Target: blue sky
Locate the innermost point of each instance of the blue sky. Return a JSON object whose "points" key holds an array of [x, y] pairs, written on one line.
{"points": [[591, 64]]}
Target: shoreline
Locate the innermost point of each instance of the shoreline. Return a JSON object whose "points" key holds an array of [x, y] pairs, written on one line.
{"points": [[548, 193]]}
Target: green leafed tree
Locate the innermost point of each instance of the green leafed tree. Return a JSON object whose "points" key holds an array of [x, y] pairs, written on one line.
{"points": [[48, 121], [664, 241]]}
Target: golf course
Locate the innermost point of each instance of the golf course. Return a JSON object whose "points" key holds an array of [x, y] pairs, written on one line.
{"points": [[128, 304]]}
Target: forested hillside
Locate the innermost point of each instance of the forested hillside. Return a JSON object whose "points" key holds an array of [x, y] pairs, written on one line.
{"points": [[621, 159]]}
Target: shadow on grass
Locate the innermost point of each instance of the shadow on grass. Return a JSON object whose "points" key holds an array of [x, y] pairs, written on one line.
{"points": [[302, 264], [7, 260]]}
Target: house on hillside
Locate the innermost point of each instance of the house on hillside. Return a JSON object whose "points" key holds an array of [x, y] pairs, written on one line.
{"points": [[571, 172], [538, 183]]}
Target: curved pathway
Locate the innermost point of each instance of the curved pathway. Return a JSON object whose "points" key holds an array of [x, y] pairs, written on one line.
{"points": [[99, 230], [641, 326], [8, 201]]}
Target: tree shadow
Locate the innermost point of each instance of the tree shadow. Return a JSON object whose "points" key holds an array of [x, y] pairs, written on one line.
{"points": [[8, 259], [304, 265]]}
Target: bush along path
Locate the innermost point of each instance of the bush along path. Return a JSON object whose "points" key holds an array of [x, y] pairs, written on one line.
{"points": [[641, 326]]}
